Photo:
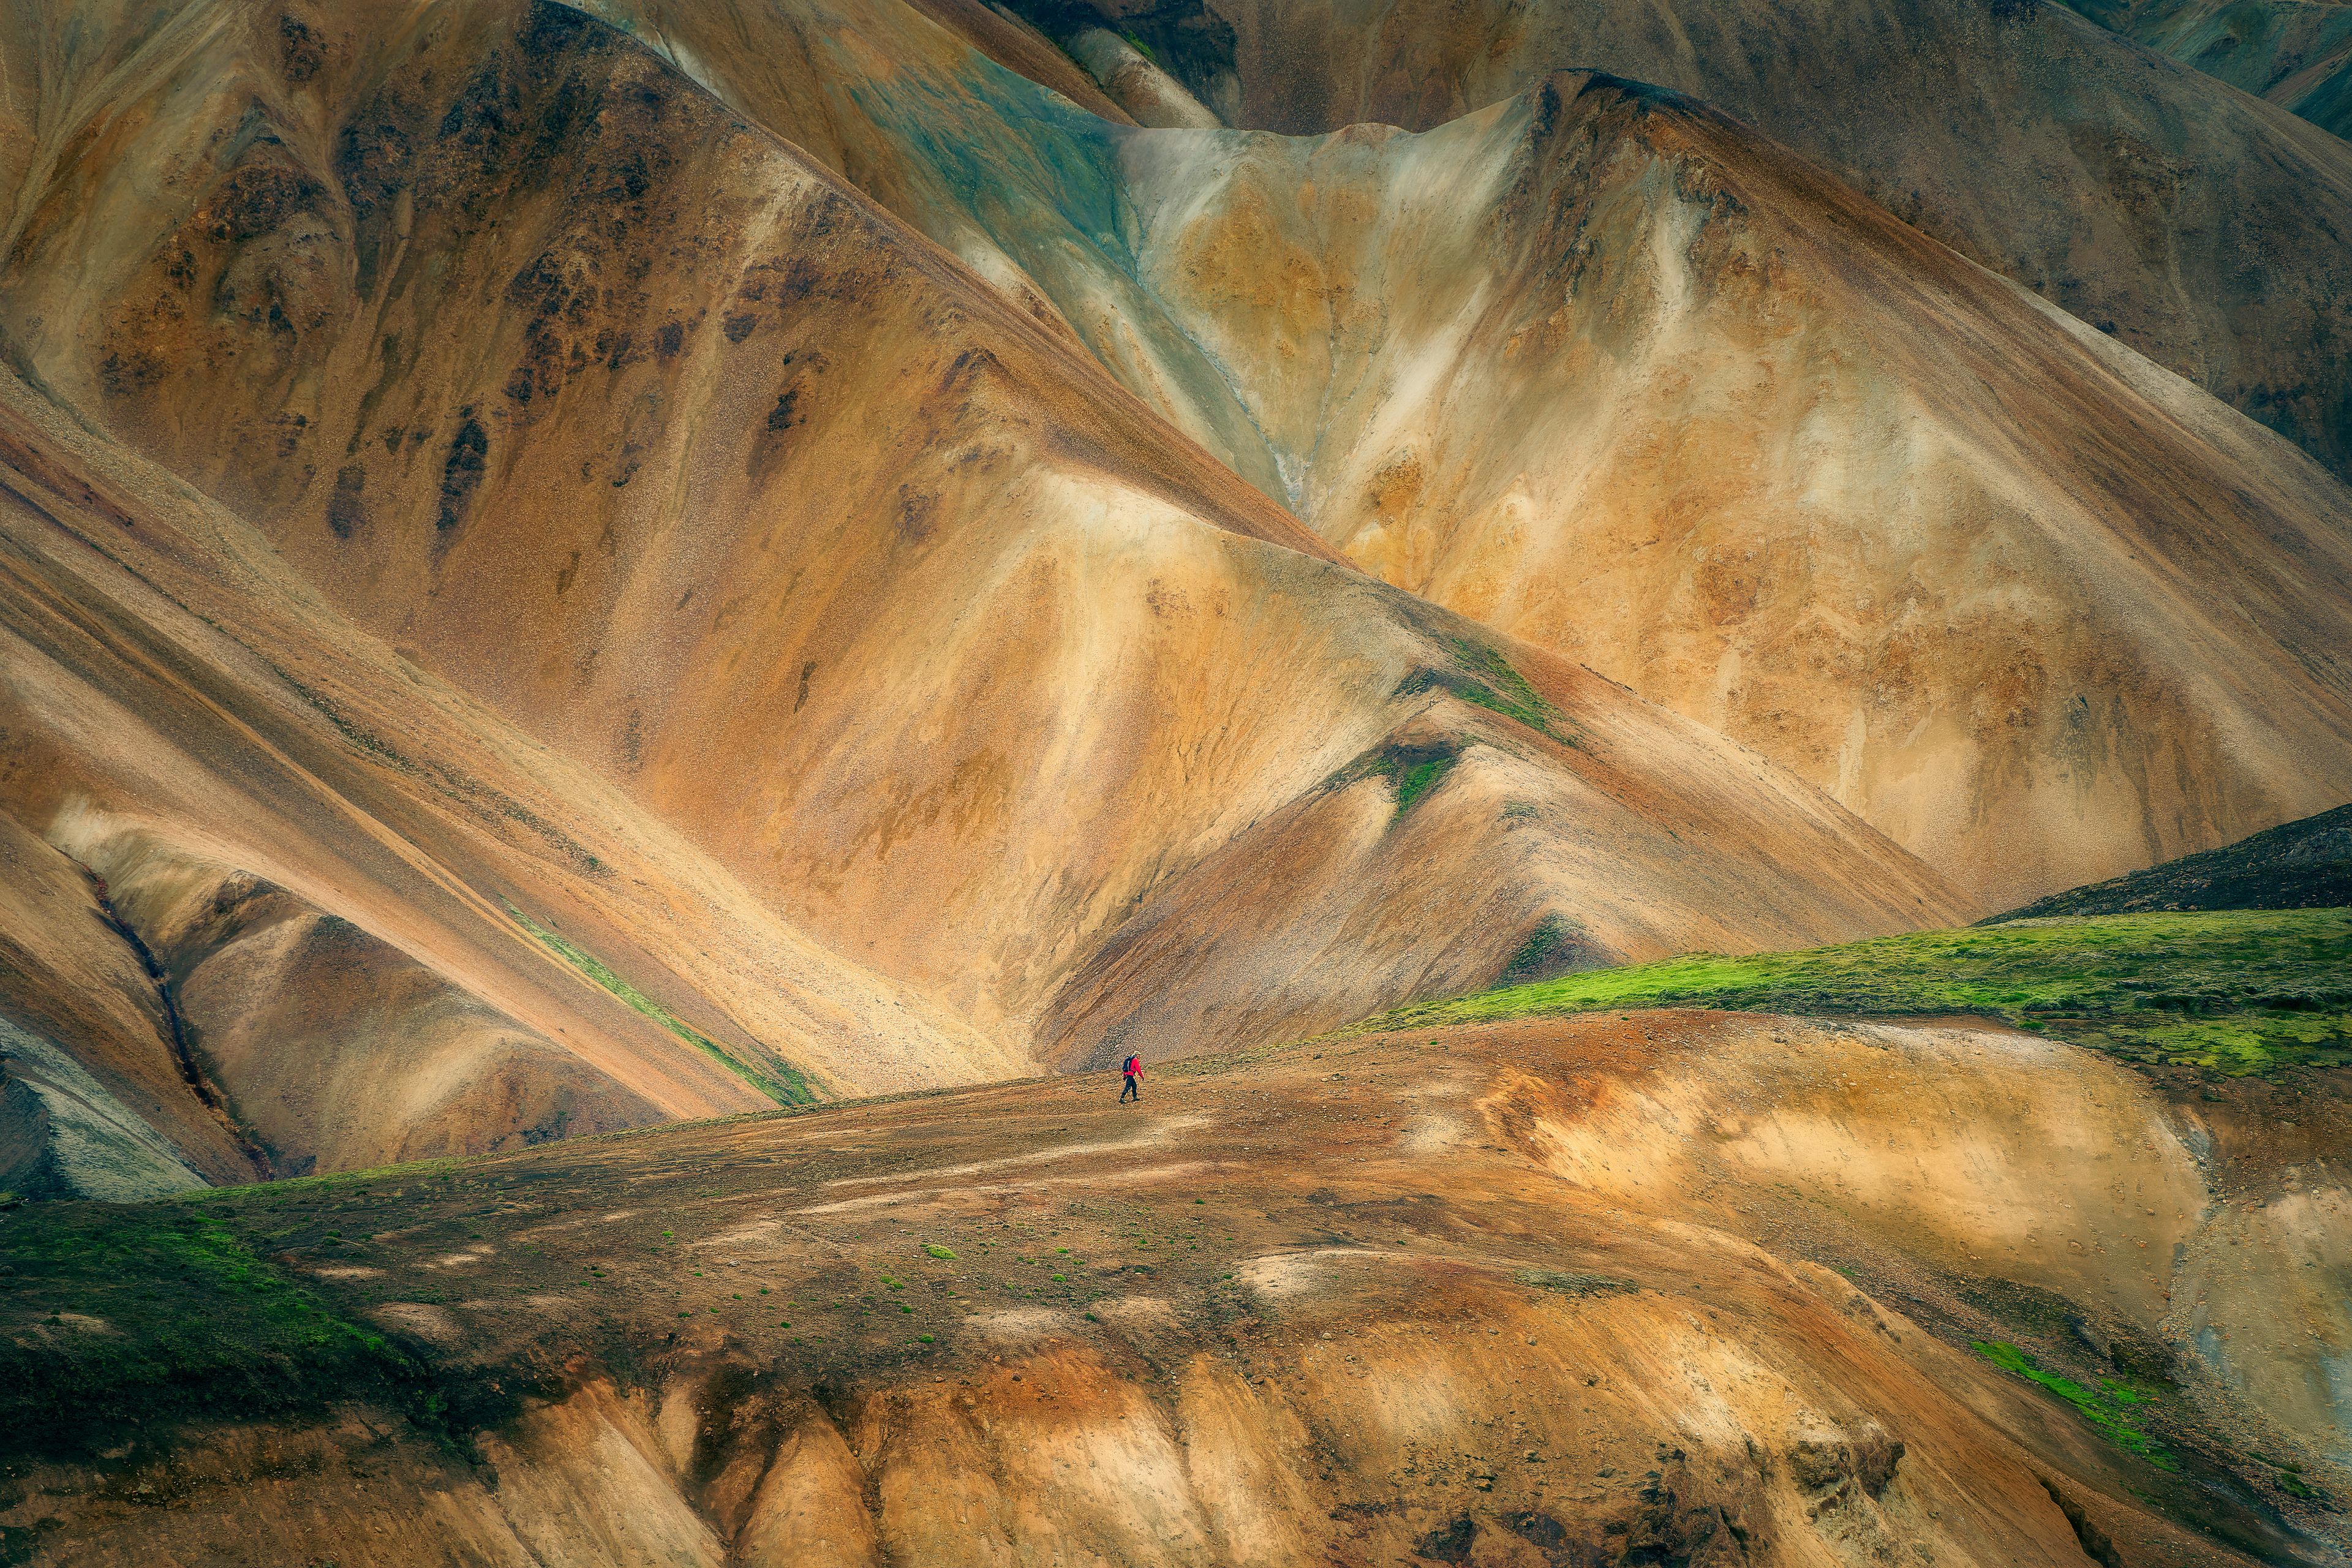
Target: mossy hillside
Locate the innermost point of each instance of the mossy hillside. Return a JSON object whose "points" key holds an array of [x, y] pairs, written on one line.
{"points": [[120, 1318], [2236, 992], [1557, 945], [120, 1315], [1480, 675]]}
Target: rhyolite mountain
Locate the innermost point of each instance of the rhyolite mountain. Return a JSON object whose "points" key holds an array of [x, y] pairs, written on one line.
{"points": [[649, 636], [1605, 369], [567, 571], [2138, 194]]}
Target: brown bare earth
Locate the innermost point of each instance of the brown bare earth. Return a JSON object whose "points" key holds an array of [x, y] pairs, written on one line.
{"points": [[1664, 1287]]}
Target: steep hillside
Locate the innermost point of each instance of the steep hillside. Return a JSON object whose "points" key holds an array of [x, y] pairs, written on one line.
{"points": [[1676, 407], [2203, 230], [2295, 53], [1603, 369], [2304, 865], [287, 901], [1620, 1290], [613, 470]]}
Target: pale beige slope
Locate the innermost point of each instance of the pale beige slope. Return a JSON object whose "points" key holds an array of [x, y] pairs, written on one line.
{"points": [[70, 983], [625, 417], [1611, 374], [2204, 228], [338, 863]]}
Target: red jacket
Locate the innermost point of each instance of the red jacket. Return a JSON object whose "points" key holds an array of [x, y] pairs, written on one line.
{"points": [[1133, 1066]]}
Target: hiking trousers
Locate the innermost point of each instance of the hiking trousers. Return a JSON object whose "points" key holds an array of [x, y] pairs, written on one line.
{"points": [[1131, 1092]]}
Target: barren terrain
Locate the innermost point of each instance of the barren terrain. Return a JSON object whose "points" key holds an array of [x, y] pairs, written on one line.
{"points": [[1651, 1288]]}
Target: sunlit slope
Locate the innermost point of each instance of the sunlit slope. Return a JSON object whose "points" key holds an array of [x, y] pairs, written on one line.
{"points": [[765, 516], [1609, 372], [1599, 367], [290, 902], [1676, 407], [2201, 228], [1681, 1288]]}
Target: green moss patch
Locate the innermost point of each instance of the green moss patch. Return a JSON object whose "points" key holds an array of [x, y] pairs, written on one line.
{"points": [[784, 1085], [1563, 1283], [2237, 993], [1413, 771], [1480, 675], [1555, 946], [116, 1315], [1420, 779], [2107, 1408]]}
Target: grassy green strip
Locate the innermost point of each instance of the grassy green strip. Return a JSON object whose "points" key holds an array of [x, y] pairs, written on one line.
{"points": [[1499, 686], [2099, 1408], [2239, 991], [1419, 780], [786, 1087], [155, 1312]]}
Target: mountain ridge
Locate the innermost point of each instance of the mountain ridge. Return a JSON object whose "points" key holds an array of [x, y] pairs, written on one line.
{"points": [[698, 622]]}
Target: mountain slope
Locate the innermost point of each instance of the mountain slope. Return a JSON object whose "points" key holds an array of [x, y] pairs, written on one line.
{"points": [[360, 917], [1678, 408], [1617, 1290], [1604, 370], [2295, 53], [2304, 865], [2204, 230], [861, 603]]}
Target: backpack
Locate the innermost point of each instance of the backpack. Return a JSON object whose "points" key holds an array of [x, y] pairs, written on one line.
{"points": [[1134, 1068]]}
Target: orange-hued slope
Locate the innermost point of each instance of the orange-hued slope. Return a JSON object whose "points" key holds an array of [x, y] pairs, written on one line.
{"points": [[1617, 376], [1613, 374], [1713, 1290], [871, 633]]}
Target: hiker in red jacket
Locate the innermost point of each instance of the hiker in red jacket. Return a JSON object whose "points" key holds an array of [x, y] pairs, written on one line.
{"points": [[1133, 1069]]}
